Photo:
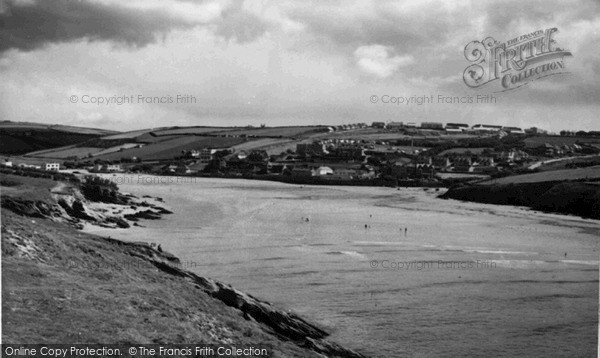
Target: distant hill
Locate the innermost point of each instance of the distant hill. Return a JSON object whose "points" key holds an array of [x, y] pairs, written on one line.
{"points": [[23, 137], [168, 142]]}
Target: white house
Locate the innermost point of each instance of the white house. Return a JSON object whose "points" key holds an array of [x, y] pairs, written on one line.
{"points": [[52, 166], [113, 167], [323, 171]]}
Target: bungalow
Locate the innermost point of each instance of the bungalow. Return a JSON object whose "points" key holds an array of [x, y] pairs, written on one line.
{"points": [[450, 130], [169, 168], [113, 167], [432, 125], [395, 125], [513, 130], [486, 128], [461, 126], [513, 155], [182, 169], [33, 166], [441, 162], [462, 164], [378, 125], [241, 155], [485, 161], [107, 168]]}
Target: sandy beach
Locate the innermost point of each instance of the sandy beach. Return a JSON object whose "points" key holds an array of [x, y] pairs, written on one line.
{"points": [[463, 278]]}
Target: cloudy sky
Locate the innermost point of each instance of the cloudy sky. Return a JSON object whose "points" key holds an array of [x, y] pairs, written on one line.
{"points": [[284, 62]]}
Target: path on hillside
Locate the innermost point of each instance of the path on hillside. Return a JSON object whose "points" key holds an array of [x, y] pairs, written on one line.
{"points": [[542, 162]]}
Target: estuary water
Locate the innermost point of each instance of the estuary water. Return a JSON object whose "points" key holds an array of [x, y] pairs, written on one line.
{"points": [[389, 272]]}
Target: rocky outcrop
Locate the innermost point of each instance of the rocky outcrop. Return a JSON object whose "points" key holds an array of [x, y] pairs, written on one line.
{"points": [[36, 209], [144, 214], [72, 207], [75, 210]]}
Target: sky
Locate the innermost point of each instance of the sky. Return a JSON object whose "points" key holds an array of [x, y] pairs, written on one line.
{"points": [[237, 63]]}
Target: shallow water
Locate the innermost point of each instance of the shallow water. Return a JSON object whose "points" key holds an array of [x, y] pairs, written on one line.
{"points": [[465, 278]]}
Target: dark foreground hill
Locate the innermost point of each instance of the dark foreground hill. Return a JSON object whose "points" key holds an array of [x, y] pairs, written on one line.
{"points": [[60, 285]]}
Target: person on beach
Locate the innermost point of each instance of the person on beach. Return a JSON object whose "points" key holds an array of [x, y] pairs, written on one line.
{"points": [[405, 230]]}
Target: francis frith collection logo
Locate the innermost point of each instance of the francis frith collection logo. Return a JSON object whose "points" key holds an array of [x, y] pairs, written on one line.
{"points": [[516, 62]]}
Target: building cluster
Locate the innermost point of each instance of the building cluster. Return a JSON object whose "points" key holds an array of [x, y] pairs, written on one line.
{"points": [[456, 128], [52, 166]]}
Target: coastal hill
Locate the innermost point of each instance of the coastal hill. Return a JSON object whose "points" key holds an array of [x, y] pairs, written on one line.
{"points": [[24, 137], [567, 191], [64, 286]]}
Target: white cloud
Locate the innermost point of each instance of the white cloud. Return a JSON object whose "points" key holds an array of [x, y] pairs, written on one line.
{"points": [[378, 60]]}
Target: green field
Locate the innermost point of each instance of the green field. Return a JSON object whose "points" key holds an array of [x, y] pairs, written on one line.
{"points": [[463, 151], [286, 132], [188, 130], [128, 135], [534, 142], [170, 149], [66, 152], [55, 127]]}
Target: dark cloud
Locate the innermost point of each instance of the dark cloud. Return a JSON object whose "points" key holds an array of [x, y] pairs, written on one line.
{"points": [[505, 15], [29, 26], [354, 31]]}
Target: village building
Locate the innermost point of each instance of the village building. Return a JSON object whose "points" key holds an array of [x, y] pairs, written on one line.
{"points": [[321, 171], [52, 166], [395, 125], [432, 125]]}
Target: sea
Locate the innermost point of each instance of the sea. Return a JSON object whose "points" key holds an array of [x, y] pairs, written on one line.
{"points": [[389, 272]]}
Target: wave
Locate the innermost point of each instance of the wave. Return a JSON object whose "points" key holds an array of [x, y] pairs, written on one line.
{"points": [[347, 253], [277, 258], [581, 262], [500, 252]]}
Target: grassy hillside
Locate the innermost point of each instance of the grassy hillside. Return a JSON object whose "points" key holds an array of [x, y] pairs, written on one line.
{"points": [[20, 138], [533, 142]]}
